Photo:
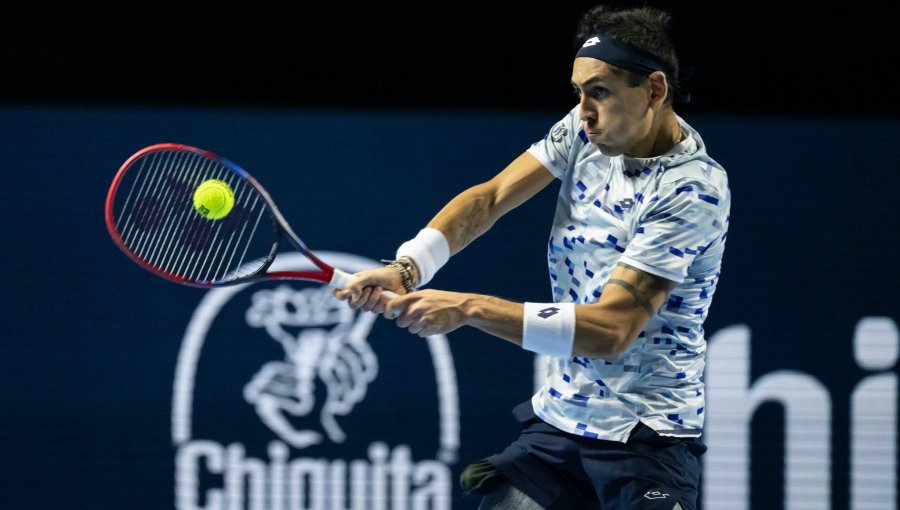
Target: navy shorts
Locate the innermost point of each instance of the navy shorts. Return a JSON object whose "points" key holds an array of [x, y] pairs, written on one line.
{"points": [[565, 471]]}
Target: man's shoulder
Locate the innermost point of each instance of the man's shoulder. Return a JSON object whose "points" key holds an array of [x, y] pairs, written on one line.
{"points": [[701, 169]]}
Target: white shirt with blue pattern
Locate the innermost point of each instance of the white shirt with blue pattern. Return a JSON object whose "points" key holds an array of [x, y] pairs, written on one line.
{"points": [[666, 215]]}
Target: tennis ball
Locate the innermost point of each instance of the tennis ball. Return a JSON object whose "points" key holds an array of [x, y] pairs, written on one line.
{"points": [[213, 199]]}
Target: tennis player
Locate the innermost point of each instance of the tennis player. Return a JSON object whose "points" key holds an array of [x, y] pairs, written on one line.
{"points": [[634, 256]]}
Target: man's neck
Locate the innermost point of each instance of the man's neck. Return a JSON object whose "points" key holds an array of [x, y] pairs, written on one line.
{"points": [[661, 139]]}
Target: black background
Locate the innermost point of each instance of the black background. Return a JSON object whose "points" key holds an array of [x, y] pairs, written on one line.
{"points": [[751, 58]]}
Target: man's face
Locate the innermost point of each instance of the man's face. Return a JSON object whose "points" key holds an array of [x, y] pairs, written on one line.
{"points": [[616, 116]]}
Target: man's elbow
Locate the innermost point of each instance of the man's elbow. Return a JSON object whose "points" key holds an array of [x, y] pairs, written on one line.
{"points": [[607, 345]]}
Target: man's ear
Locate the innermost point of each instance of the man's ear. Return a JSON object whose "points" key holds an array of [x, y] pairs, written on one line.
{"points": [[659, 88]]}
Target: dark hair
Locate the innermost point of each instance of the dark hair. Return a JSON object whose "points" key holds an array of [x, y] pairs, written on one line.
{"points": [[644, 27]]}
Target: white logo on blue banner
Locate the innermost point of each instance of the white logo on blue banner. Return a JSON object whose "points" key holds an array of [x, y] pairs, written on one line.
{"points": [[331, 348], [304, 398]]}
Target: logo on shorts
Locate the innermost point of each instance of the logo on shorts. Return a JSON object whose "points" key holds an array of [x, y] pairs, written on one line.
{"points": [[656, 494], [282, 408], [548, 312]]}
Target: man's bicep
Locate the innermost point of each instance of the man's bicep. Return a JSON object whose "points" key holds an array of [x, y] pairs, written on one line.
{"points": [[607, 328], [634, 295]]}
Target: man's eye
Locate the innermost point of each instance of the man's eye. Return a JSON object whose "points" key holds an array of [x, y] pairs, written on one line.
{"points": [[599, 92]]}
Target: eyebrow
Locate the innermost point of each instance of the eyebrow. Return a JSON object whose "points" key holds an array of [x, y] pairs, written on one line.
{"points": [[591, 81]]}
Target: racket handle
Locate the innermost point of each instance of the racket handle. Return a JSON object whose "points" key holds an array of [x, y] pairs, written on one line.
{"points": [[341, 280]]}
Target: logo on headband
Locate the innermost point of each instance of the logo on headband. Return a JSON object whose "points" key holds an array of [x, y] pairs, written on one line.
{"points": [[590, 42]]}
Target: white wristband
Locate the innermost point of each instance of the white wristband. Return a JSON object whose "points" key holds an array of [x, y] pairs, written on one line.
{"points": [[549, 328], [429, 250]]}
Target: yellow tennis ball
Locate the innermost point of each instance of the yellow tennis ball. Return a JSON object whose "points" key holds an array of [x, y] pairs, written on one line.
{"points": [[213, 199]]}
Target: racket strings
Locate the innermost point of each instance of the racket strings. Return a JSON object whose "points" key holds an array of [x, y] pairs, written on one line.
{"points": [[162, 201], [142, 208], [158, 224], [221, 245], [166, 250], [160, 214]]}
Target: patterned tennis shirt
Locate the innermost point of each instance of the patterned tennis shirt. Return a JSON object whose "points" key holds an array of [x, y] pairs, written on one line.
{"points": [[666, 215]]}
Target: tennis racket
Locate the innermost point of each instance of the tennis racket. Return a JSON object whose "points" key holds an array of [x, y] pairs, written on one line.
{"points": [[150, 215]]}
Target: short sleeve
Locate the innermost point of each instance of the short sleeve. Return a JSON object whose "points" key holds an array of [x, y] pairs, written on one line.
{"points": [[685, 219], [556, 148]]}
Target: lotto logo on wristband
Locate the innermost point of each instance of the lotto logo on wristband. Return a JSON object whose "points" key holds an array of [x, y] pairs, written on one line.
{"points": [[549, 328], [548, 312]]}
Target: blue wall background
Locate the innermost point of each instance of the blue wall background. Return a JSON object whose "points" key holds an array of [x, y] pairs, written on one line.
{"points": [[90, 340]]}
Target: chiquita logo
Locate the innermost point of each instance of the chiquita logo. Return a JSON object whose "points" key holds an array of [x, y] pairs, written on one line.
{"points": [[285, 398]]}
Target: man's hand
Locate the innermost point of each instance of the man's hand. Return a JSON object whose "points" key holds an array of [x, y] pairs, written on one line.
{"points": [[366, 289], [429, 312]]}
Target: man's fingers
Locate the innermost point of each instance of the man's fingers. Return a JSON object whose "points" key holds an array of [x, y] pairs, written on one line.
{"points": [[415, 319], [353, 290], [409, 316], [376, 281], [393, 308], [360, 282], [382, 303], [396, 307], [371, 300], [355, 299], [415, 327], [364, 297]]}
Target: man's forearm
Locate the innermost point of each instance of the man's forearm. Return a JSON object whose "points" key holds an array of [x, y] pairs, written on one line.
{"points": [[495, 316], [475, 210], [469, 215], [596, 336]]}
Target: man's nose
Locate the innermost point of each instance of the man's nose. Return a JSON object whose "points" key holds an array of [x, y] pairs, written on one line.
{"points": [[588, 112]]}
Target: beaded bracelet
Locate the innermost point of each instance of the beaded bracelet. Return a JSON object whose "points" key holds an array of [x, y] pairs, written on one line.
{"points": [[407, 270]]}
